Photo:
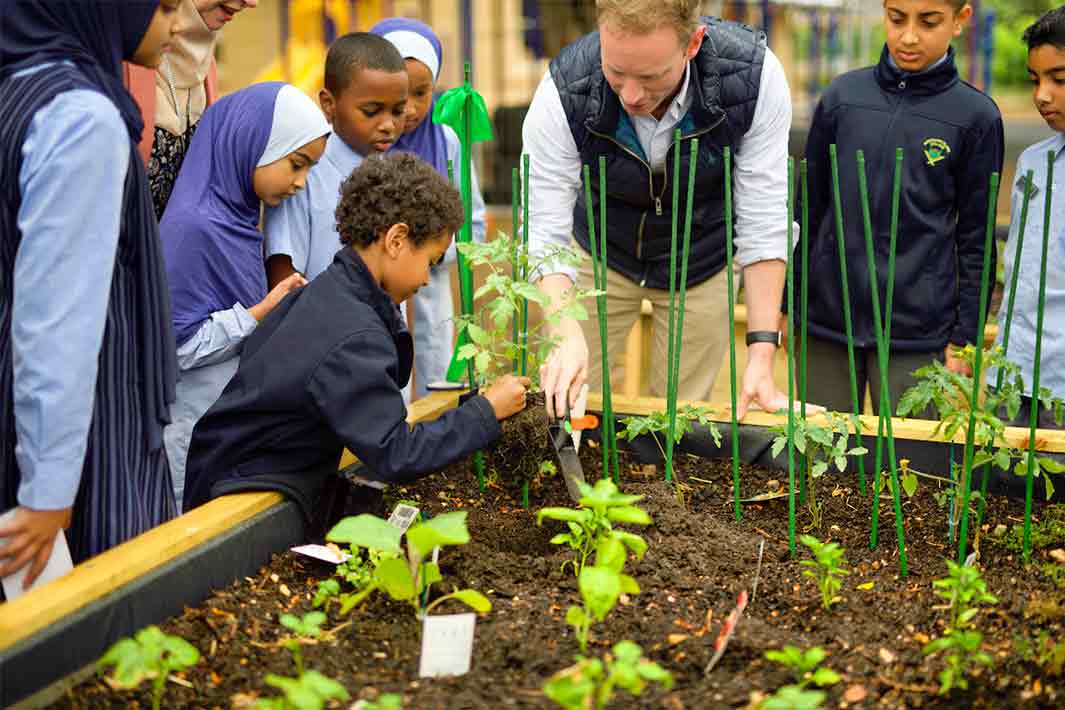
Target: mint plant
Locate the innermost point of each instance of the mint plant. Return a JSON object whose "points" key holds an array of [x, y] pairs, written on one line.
{"points": [[826, 568], [152, 655], [308, 691], [656, 424], [491, 345], [964, 589], [590, 683], [822, 446], [405, 575], [591, 525]]}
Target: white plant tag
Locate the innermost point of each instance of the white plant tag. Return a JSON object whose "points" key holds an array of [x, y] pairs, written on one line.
{"points": [[447, 644], [403, 516], [323, 553], [58, 565]]}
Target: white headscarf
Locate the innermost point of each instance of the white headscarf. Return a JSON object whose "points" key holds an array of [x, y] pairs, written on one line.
{"points": [[297, 122]]}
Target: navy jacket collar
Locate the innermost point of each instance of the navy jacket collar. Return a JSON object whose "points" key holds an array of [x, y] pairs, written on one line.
{"points": [[933, 81], [367, 289]]}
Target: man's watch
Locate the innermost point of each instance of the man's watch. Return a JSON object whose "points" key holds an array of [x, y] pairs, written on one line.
{"points": [[764, 336]]}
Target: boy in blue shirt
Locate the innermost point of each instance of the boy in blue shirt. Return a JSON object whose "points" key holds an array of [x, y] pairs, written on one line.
{"points": [[1046, 70], [953, 140], [323, 371]]}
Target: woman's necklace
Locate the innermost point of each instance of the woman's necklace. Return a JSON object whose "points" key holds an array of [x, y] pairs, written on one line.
{"points": [[169, 74]]}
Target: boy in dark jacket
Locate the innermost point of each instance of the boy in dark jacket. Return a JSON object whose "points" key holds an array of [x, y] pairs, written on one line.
{"points": [[324, 370], [952, 139]]}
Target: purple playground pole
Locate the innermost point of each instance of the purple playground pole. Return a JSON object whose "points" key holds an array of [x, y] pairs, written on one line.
{"points": [[989, 50]]}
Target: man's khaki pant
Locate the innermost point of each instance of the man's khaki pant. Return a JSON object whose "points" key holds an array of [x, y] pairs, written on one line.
{"points": [[705, 337]]}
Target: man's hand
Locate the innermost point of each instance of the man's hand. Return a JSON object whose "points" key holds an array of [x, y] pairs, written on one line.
{"points": [[956, 364], [566, 370], [28, 539], [758, 386]]}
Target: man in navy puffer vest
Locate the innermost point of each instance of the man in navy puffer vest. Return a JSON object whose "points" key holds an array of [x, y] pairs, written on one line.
{"points": [[652, 67]]}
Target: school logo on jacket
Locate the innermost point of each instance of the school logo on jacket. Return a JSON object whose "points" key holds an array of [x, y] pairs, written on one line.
{"points": [[935, 150]]}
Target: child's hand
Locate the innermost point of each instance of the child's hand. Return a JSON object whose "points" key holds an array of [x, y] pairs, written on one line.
{"points": [[507, 395], [955, 364], [28, 540], [276, 295]]}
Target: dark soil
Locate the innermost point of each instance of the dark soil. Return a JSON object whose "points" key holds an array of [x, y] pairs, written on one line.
{"points": [[699, 560]]}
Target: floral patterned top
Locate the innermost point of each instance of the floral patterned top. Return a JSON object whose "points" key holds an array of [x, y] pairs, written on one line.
{"points": [[168, 153]]}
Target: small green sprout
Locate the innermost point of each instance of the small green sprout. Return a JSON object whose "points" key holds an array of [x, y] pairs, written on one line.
{"points": [[963, 588], [657, 424], [793, 697], [805, 665], [826, 568], [964, 655], [600, 586], [591, 525], [308, 691], [309, 627], [590, 683], [150, 654], [405, 574]]}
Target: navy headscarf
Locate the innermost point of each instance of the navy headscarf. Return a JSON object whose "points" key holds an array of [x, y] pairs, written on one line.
{"points": [[211, 241], [427, 140], [97, 35]]}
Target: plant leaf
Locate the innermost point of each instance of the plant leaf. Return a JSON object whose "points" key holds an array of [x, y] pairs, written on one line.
{"points": [[367, 531]]}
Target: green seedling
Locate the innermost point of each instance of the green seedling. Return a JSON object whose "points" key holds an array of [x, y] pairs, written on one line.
{"points": [[793, 697], [826, 568], [308, 627], [656, 425], [1045, 652], [963, 589], [805, 665], [591, 525], [600, 586], [308, 691], [822, 447], [493, 344], [385, 701], [963, 656], [404, 574], [150, 654], [590, 683]]}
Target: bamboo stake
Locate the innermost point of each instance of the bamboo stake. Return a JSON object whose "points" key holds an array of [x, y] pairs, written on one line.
{"points": [[737, 508], [885, 412], [600, 310], [671, 402], [978, 361], [610, 434], [1006, 326], [685, 250], [882, 358], [837, 204], [791, 379], [1034, 410]]}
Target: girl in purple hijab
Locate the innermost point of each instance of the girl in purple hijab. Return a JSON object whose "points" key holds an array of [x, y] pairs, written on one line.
{"points": [[251, 147], [433, 309]]}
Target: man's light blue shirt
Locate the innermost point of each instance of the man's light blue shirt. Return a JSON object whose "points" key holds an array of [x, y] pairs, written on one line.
{"points": [[1023, 327]]}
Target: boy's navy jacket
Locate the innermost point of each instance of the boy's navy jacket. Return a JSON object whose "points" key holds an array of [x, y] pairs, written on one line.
{"points": [[952, 140], [323, 371]]}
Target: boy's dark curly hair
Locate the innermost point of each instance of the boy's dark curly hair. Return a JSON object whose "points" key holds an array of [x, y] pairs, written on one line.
{"points": [[1048, 29], [395, 188]]}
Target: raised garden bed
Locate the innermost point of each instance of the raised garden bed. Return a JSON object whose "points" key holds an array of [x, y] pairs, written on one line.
{"points": [[698, 561]]}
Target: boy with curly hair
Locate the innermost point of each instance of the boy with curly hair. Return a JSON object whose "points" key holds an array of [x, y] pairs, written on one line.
{"points": [[324, 370]]}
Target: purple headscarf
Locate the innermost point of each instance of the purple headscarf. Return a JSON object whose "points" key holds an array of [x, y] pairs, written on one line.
{"points": [[211, 240], [427, 140]]}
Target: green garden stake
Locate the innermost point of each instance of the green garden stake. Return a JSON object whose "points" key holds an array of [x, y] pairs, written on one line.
{"points": [[1034, 411], [685, 251], [600, 309], [610, 435], [981, 504], [514, 198], [525, 263], [848, 327], [737, 508], [978, 361], [804, 246], [791, 366], [882, 359], [671, 403], [885, 412], [525, 494]]}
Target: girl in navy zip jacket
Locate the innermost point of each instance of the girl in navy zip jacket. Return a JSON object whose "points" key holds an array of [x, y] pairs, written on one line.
{"points": [[952, 139], [323, 371]]}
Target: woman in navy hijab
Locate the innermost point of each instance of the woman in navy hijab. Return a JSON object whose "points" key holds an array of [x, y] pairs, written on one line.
{"points": [[253, 146], [86, 351]]}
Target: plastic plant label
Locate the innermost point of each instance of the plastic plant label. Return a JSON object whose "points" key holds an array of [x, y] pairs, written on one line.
{"points": [[403, 516], [726, 632], [58, 564], [447, 644], [330, 554]]}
